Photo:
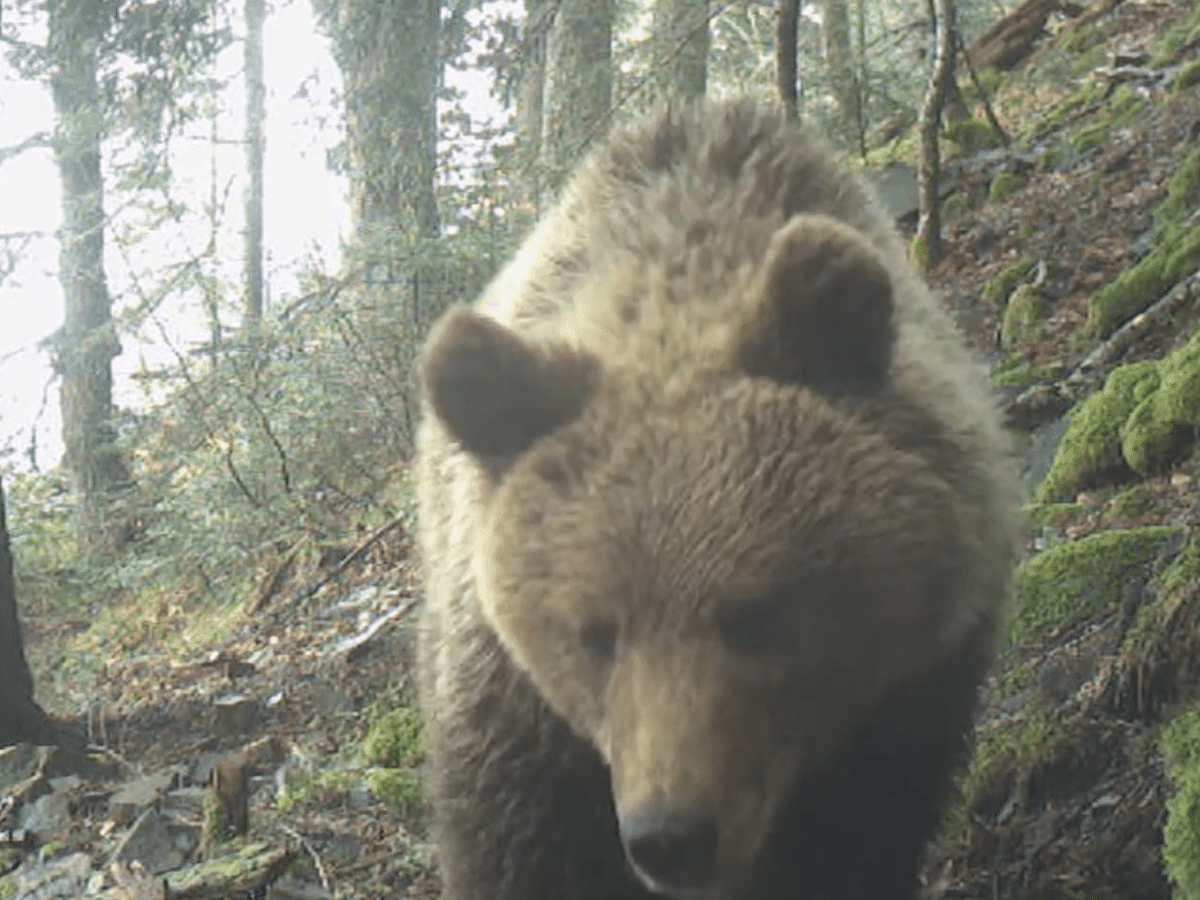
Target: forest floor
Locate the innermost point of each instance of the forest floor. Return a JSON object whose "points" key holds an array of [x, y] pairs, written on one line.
{"points": [[304, 678]]}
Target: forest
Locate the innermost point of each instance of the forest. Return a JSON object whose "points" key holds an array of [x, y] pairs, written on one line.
{"points": [[226, 228]]}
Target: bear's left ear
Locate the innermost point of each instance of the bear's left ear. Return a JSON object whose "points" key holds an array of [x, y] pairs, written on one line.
{"points": [[495, 393], [825, 310]]}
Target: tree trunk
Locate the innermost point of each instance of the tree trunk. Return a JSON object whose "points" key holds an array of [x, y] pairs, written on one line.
{"points": [[21, 719], [529, 107], [835, 23], [578, 92], [787, 66], [88, 340], [679, 56], [388, 53], [256, 114], [929, 225]]}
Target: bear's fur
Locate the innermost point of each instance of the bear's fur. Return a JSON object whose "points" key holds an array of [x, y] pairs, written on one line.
{"points": [[717, 521]]}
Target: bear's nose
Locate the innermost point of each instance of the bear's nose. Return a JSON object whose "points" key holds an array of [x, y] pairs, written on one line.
{"points": [[672, 847]]}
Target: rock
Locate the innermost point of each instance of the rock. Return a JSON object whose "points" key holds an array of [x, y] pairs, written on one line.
{"points": [[151, 842]]}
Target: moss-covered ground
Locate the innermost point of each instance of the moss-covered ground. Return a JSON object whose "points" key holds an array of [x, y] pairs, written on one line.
{"points": [[1066, 582]]}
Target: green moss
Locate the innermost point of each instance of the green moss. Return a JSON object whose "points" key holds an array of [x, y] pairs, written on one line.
{"points": [[314, 787], [1163, 428], [1063, 584], [1093, 58], [1133, 501], [1183, 189], [399, 787], [1183, 569], [1168, 46], [1014, 745], [1051, 157], [1025, 375], [1084, 38], [955, 205], [972, 135], [1003, 185], [394, 739], [1014, 681], [1179, 743], [8, 887], [989, 81], [1124, 105], [1177, 255], [919, 253], [1022, 316], [998, 288], [1187, 76], [1090, 137], [1091, 447], [1043, 514]]}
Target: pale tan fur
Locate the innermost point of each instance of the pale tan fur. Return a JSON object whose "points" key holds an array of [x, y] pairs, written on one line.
{"points": [[665, 279]]}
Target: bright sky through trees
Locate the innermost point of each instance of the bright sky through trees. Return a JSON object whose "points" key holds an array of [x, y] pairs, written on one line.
{"points": [[305, 216]]}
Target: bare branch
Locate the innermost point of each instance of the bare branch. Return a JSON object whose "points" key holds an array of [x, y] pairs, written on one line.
{"points": [[38, 140]]}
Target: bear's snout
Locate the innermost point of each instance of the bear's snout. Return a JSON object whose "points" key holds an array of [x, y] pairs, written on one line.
{"points": [[673, 847]]}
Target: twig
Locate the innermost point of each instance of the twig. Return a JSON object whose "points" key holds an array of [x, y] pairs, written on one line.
{"points": [[308, 848]]}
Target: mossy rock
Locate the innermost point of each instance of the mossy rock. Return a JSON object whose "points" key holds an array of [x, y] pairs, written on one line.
{"points": [[1005, 184], [1023, 315], [1044, 514], [997, 289], [1091, 448], [1067, 582], [1133, 501], [955, 205], [1176, 256], [1163, 428], [1179, 743], [973, 135]]}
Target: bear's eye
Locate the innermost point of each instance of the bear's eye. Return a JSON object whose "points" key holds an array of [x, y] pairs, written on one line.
{"points": [[599, 639], [754, 629]]}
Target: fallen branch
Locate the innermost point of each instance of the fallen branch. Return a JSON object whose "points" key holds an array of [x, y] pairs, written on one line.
{"points": [[1043, 402], [355, 645], [303, 594]]}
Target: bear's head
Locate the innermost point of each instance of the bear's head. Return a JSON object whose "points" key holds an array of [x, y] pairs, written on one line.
{"points": [[713, 585]]}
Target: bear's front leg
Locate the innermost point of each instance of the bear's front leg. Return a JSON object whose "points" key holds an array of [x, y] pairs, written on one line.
{"points": [[523, 807]]}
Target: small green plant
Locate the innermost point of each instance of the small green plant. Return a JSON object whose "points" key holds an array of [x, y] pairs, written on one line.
{"points": [[399, 787], [394, 739]]}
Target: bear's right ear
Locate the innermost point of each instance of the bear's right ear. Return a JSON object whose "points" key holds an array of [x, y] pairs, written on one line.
{"points": [[495, 393], [824, 318]]}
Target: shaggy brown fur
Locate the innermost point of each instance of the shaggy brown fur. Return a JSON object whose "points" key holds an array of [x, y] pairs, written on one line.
{"points": [[717, 520]]}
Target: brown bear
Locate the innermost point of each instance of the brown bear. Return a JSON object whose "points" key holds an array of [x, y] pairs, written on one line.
{"points": [[717, 517]]}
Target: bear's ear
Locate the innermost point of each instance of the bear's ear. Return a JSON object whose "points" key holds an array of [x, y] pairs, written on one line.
{"points": [[495, 393], [825, 314]]}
